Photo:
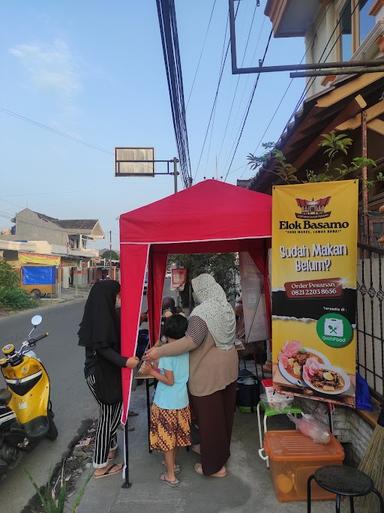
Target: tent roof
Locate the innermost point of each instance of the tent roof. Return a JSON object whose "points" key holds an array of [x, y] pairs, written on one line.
{"points": [[209, 211]]}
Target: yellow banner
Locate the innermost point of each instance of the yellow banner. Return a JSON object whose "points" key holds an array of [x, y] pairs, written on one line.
{"points": [[314, 265], [37, 259]]}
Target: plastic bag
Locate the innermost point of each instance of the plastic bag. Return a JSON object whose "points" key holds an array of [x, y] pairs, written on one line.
{"points": [[277, 401], [311, 427]]}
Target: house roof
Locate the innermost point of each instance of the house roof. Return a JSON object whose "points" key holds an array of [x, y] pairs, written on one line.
{"points": [[67, 224], [89, 227], [78, 224], [46, 218], [333, 109], [291, 18]]}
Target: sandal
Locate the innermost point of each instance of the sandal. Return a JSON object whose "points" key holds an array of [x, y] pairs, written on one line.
{"points": [[172, 484], [177, 468], [110, 470], [199, 470]]}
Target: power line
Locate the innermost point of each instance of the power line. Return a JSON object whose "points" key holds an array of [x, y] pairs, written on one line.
{"points": [[310, 47], [309, 83], [202, 51], [216, 92], [54, 130], [222, 61], [312, 80], [171, 52], [29, 194], [225, 55], [248, 107], [245, 88], [280, 102], [238, 76]]}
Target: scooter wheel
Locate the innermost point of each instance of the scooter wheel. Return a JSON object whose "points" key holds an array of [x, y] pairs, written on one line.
{"points": [[52, 429]]}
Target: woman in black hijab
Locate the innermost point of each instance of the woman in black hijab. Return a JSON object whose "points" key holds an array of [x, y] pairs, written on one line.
{"points": [[99, 333]]}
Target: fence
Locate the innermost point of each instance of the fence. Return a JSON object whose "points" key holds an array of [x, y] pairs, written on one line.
{"points": [[370, 328]]}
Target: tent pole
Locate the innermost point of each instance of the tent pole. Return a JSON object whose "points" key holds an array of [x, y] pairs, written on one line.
{"points": [[126, 483]]}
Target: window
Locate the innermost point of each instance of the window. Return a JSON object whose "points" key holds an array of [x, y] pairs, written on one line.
{"points": [[346, 32], [355, 25], [366, 21]]}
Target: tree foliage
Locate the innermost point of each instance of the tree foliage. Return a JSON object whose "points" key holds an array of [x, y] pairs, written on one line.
{"points": [[337, 166], [110, 254], [222, 266], [11, 295], [9, 277]]}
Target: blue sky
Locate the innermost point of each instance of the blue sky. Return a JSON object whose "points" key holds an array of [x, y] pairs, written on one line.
{"points": [[94, 70]]}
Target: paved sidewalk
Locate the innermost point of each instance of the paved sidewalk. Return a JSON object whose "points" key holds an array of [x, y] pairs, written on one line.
{"points": [[70, 294], [248, 488]]}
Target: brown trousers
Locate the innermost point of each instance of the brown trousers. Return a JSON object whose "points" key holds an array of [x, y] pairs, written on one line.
{"points": [[214, 414]]}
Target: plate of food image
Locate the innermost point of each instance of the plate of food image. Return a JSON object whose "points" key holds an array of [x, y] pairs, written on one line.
{"points": [[292, 359], [325, 379]]}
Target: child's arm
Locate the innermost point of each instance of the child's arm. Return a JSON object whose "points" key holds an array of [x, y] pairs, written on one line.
{"points": [[167, 378]]}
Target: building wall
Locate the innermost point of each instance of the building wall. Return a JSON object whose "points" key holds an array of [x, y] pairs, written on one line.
{"points": [[349, 428], [321, 40], [29, 226], [319, 44]]}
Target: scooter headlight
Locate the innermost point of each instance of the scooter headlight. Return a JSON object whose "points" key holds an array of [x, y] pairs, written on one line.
{"points": [[8, 349]]}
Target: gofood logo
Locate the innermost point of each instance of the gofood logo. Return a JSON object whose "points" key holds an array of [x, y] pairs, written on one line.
{"points": [[312, 209]]}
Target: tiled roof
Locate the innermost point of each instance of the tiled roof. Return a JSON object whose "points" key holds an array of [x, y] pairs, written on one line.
{"points": [[67, 224], [87, 224]]}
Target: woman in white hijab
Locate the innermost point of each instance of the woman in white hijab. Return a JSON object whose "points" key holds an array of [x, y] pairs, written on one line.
{"points": [[213, 372]]}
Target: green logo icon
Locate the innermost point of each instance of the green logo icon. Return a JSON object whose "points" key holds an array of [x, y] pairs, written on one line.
{"points": [[334, 329]]}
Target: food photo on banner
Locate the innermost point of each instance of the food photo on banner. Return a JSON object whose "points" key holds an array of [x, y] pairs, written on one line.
{"points": [[314, 266]]}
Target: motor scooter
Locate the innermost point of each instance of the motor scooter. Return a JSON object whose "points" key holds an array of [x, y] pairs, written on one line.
{"points": [[26, 414]]}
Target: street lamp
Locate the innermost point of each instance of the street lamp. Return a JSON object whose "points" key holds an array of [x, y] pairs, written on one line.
{"points": [[141, 162]]}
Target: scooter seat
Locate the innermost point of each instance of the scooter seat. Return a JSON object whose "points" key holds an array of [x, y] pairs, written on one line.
{"points": [[5, 396]]}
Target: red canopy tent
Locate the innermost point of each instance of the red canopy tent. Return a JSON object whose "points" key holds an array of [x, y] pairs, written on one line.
{"points": [[210, 217]]}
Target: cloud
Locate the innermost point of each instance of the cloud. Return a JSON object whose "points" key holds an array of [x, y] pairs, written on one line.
{"points": [[49, 67]]}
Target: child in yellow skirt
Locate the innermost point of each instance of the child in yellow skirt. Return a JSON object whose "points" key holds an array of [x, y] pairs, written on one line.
{"points": [[170, 414]]}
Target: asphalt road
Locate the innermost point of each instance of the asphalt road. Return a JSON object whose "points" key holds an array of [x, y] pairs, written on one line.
{"points": [[71, 399]]}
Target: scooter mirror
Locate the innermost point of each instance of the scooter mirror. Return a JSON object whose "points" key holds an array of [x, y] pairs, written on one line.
{"points": [[36, 320]]}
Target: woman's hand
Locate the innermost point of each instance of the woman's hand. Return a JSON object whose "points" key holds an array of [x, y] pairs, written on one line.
{"points": [[146, 369], [132, 362], [152, 354]]}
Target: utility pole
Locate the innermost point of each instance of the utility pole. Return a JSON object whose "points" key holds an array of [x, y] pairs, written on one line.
{"points": [[175, 161]]}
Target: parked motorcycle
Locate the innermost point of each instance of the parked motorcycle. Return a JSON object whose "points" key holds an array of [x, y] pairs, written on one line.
{"points": [[26, 414]]}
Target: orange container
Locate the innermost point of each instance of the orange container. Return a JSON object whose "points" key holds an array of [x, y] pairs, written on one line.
{"points": [[293, 458]]}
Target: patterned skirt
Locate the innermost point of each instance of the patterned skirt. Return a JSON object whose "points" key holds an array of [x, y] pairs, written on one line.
{"points": [[170, 428]]}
